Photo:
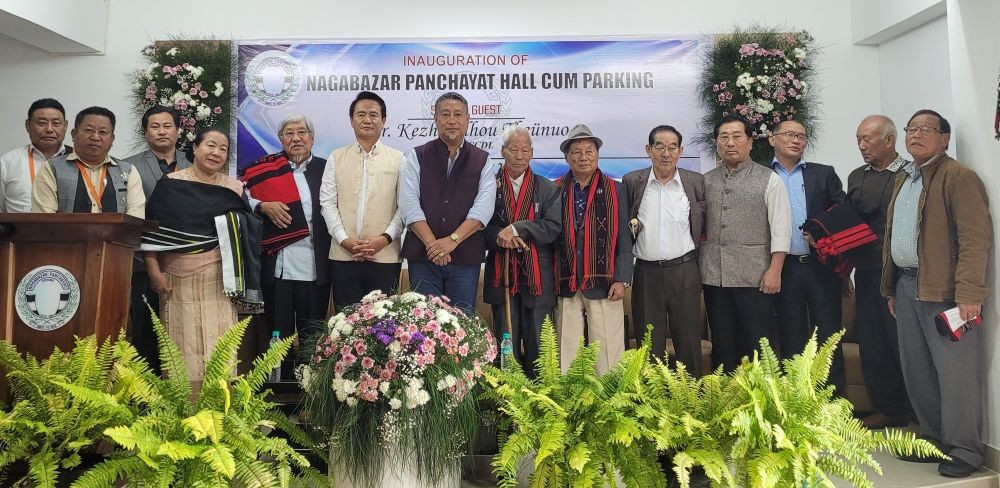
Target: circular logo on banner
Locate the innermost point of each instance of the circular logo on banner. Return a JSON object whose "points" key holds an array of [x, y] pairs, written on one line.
{"points": [[272, 78], [47, 298]]}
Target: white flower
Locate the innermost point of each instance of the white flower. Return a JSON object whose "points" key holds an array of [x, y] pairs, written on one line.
{"points": [[164, 101], [395, 404], [762, 106], [172, 51], [218, 89], [384, 387], [394, 348], [446, 317], [372, 296], [202, 112], [410, 297], [764, 79], [351, 401], [745, 80], [799, 53], [190, 136], [446, 382], [304, 373]]}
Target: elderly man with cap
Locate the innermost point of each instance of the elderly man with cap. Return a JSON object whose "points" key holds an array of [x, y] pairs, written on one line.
{"points": [[527, 219], [594, 260]]}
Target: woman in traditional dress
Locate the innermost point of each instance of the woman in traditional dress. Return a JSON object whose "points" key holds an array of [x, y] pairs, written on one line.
{"points": [[203, 260]]}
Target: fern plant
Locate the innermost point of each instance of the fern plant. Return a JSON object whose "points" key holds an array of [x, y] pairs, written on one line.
{"points": [[215, 440], [580, 428], [47, 426], [767, 424]]}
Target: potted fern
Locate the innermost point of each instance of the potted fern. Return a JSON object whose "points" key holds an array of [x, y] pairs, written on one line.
{"points": [[51, 433], [218, 439], [577, 428], [767, 424]]}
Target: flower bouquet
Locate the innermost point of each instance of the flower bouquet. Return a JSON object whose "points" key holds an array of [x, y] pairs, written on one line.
{"points": [[763, 75], [192, 77], [389, 385]]}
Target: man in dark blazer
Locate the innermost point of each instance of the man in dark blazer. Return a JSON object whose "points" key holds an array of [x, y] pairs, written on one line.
{"points": [[593, 262], [810, 292], [162, 127], [295, 274], [526, 221], [667, 210]]}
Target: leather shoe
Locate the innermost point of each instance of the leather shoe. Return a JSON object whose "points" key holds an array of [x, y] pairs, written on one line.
{"points": [[914, 458], [956, 468], [881, 421]]}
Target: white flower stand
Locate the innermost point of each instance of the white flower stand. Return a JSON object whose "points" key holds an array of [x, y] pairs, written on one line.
{"points": [[396, 475]]}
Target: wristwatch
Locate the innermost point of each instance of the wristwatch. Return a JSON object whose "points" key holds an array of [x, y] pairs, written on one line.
{"points": [[388, 238], [456, 237]]}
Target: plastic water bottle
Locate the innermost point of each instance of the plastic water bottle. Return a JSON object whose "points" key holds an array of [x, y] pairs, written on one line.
{"points": [[276, 372], [506, 349]]}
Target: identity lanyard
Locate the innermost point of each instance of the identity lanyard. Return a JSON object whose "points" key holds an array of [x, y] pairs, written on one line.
{"points": [[31, 164], [95, 193]]}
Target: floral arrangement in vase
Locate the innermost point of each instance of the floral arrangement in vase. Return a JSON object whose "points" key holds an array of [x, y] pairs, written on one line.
{"points": [[762, 75], [192, 77], [394, 373]]}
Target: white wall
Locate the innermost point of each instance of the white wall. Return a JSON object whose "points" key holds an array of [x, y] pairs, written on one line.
{"points": [[974, 51], [27, 73], [904, 89]]}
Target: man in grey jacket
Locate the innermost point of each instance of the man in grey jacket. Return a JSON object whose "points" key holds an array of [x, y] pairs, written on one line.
{"points": [[162, 127]]}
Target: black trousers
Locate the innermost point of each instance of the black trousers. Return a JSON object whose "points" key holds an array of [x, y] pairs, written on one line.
{"points": [[878, 343], [352, 280], [810, 298], [738, 317], [292, 305], [525, 330], [140, 322], [669, 297]]}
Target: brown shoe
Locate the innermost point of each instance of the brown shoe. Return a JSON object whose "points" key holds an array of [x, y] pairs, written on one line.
{"points": [[881, 421]]}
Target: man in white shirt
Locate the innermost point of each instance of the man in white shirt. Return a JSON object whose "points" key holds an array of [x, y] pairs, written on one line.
{"points": [[46, 127], [358, 198], [284, 188], [667, 209]]}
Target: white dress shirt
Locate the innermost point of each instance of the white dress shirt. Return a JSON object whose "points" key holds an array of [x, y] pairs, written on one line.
{"points": [[329, 198], [16, 178], [664, 213], [779, 214], [297, 261]]}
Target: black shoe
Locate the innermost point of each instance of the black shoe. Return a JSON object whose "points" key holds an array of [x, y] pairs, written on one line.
{"points": [[956, 468], [881, 421], [915, 458]]}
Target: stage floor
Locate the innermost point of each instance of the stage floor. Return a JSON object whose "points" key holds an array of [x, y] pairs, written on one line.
{"points": [[896, 474]]}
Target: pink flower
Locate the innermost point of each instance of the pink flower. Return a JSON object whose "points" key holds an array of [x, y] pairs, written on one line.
{"points": [[217, 110], [723, 85], [715, 87], [367, 362], [463, 350], [349, 359], [391, 365], [339, 368], [197, 85], [344, 351], [460, 334], [328, 351]]}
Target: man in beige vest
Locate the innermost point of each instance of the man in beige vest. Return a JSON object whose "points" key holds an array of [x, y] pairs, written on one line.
{"points": [[359, 202], [747, 234]]}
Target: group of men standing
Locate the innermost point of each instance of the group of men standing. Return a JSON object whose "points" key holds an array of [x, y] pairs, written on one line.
{"points": [[569, 249]]}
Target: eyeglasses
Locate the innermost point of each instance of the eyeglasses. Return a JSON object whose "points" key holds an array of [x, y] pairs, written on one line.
{"points": [[923, 129], [660, 148], [293, 134], [795, 136]]}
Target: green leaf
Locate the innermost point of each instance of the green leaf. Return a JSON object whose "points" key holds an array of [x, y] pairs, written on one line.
{"points": [[122, 435], [206, 423], [578, 456], [43, 469], [177, 451], [220, 459]]}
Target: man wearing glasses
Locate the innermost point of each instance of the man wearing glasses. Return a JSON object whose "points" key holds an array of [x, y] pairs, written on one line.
{"points": [[747, 226], [284, 188], [938, 235], [667, 211], [810, 292]]}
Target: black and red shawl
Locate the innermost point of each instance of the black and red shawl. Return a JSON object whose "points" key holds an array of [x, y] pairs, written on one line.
{"points": [[600, 235], [515, 208], [838, 231], [270, 179]]}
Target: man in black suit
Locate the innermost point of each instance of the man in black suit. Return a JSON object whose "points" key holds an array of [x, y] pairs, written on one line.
{"points": [[162, 129], [527, 219], [667, 209], [810, 292], [294, 274]]}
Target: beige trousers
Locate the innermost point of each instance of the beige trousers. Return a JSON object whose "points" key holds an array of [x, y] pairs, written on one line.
{"points": [[605, 320]]}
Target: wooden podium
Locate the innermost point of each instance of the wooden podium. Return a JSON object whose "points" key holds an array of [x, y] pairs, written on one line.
{"points": [[51, 264]]}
